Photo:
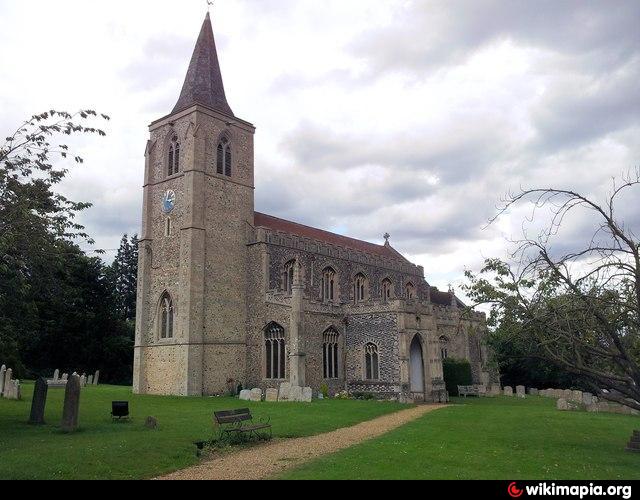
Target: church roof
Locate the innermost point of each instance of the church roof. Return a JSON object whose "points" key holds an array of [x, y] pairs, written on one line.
{"points": [[203, 83], [285, 226]]}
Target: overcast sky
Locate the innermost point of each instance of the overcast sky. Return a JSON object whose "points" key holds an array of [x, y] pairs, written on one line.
{"points": [[412, 117]]}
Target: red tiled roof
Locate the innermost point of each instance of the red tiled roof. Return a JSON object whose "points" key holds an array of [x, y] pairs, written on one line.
{"points": [[285, 226]]}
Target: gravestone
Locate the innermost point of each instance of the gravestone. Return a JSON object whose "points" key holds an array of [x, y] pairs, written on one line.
{"points": [[495, 390], [83, 380], [587, 398], [634, 444], [38, 402], [296, 394], [65, 376], [56, 375], [508, 391], [271, 395], [12, 390], [7, 380], [256, 395], [285, 391], [576, 396], [307, 395], [567, 394], [3, 371], [90, 380], [71, 405], [562, 405], [534, 392], [96, 377], [521, 391], [245, 395], [151, 423]]}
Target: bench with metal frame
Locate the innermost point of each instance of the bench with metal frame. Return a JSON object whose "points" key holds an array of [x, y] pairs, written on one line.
{"points": [[240, 422], [469, 390]]}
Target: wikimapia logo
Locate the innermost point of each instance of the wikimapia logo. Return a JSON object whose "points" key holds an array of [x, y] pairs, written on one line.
{"points": [[583, 491]]}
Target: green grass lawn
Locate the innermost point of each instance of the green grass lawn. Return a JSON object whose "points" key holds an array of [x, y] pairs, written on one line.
{"points": [[501, 438], [102, 449]]}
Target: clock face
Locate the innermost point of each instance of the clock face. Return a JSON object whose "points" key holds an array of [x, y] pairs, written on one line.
{"points": [[169, 202]]}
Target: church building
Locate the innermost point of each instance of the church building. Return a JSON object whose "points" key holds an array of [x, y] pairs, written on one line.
{"points": [[229, 296]]}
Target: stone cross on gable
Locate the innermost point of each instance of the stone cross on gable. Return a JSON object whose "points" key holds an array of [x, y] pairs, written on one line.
{"points": [[386, 237]]}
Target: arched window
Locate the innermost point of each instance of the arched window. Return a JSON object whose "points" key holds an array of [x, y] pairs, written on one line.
{"points": [[223, 159], [275, 352], [174, 157], [387, 287], [444, 347], [371, 362], [359, 288], [410, 291], [166, 317], [328, 285], [330, 354], [288, 277]]}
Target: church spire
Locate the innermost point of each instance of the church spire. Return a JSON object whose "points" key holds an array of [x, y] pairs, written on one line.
{"points": [[203, 84]]}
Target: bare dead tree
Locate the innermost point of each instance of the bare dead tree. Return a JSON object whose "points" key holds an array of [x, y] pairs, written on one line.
{"points": [[579, 309]]}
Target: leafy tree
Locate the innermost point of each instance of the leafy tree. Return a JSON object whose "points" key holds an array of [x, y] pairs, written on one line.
{"points": [[579, 308]]}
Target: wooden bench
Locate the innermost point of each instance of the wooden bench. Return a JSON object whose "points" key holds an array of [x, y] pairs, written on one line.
{"points": [[469, 390], [240, 423]]}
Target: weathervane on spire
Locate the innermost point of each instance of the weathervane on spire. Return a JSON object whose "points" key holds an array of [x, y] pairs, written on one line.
{"points": [[386, 238], [209, 5]]}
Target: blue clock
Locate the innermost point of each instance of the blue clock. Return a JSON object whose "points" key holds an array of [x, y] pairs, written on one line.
{"points": [[169, 202]]}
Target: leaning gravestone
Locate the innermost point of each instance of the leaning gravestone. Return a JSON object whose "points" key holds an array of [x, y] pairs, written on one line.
{"points": [[508, 391], [3, 371], [285, 392], [90, 380], [256, 395], [96, 377], [71, 405], [271, 396], [38, 402], [245, 395], [8, 376], [521, 391]]}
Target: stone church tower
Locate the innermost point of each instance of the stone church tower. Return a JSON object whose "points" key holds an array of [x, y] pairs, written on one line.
{"points": [[198, 207]]}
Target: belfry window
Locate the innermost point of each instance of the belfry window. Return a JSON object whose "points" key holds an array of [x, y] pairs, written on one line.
{"points": [[275, 352], [223, 158], [166, 317], [174, 157], [288, 277], [330, 354], [371, 362], [386, 290], [328, 285], [359, 288]]}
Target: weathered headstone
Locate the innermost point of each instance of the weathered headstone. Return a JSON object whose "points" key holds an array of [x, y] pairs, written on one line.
{"points": [[634, 444], [508, 391], [96, 377], [296, 394], [8, 376], [38, 402], [90, 380], [576, 396], [83, 380], [245, 395], [271, 395], [256, 395], [56, 375], [307, 395], [495, 390], [567, 394], [151, 423], [534, 392], [562, 405], [285, 391], [587, 398], [3, 371], [65, 376], [521, 391], [71, 405], [12, 390]]}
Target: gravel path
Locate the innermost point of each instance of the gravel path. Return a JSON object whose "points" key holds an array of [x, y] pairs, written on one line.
{"points": [[270, 459]]}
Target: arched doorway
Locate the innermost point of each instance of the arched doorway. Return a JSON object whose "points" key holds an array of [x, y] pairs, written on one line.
{"points": [[417, 366]]}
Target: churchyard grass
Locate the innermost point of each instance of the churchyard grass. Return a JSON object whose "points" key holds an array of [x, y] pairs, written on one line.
{"points": [[102, 449], [493, 438]]}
